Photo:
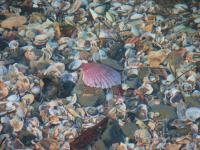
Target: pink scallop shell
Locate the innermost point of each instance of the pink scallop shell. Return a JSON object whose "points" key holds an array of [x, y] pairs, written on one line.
{"points": [[100, 75]]}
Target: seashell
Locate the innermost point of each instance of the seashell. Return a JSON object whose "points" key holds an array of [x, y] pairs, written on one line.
{"points": [[13, 22], [100, 9], [13, 44], [178, 8], [136, 16], [28, 48], [94, 14], [142, 112], [36, 90], [13, 98], [23, 83], [72, 112], [55, 69], [56, 4], [72, 99], [63, 40], [170, 79], [40, 39], [3, 90], [78, 122], [142, 136], [102, 54], [54, 120], [83, 45], [17, 124], [100, 76], [30, 55], [75, 6], [110, 16], [104, 34], [21, 111], [192, 113], [176, 97], [91, 111], [75, 65], [197, 20], [28, 99], [20, 67], [87, 36], [155, 58]]}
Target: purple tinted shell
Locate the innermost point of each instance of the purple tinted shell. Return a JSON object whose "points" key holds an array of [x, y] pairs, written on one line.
{"points": [[100, 75]]}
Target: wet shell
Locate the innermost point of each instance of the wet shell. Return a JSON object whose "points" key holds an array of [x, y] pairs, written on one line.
{"points": [[15, 21], [54, 120], [17, 124], [40, 39], [142, 136], [13, 98], [100, 76], [23, 83], [192, 113], [75, 64], [28, 99], [3, 90]]}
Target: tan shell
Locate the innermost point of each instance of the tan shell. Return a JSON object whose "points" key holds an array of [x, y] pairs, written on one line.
{"points": [[28, 98], [54, 119], [12, 22], [23, 83], [17, 124], [3, 90], [155, 58], [30, 55]]}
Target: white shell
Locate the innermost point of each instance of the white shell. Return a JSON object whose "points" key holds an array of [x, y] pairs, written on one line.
{"points": [[13, 44], [193, 113], [13, 98], [136, 16], [75, 64], [197, 20], [36, 90], [94, 14], [181, 7]]}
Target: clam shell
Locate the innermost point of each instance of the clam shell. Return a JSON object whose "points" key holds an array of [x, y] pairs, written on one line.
{"points": [[193, 113], [100, 75]]}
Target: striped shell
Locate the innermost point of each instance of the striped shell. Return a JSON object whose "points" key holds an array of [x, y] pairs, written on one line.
{"points": [[100, 75]]}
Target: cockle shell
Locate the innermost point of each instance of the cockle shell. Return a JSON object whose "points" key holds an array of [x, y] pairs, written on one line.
{"points": [[100, 75]]}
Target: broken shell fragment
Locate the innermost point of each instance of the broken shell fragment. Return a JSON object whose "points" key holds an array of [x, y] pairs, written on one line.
{"points": [[100, 75]]}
